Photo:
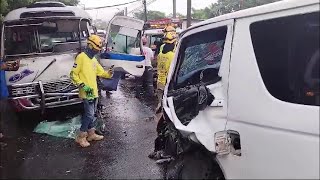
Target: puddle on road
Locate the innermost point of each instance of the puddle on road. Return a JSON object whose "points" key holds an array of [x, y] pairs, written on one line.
{"points": [[123, 103]]}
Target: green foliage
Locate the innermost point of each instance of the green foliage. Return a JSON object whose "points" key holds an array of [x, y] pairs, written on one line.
{"points": [[151, 15], [200, 13], [226, 6], [3, 7], [70, 2], [178, 15]]}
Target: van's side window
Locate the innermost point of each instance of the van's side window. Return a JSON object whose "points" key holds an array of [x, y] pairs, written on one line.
{"points": [[200, 57], [287, 53]]}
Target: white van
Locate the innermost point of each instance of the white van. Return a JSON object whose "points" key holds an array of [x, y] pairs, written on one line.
{"points": [[242, 96]]}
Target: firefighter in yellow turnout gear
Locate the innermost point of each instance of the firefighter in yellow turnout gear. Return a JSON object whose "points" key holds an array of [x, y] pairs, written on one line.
{"points": [[164, 59], [83, 74]]}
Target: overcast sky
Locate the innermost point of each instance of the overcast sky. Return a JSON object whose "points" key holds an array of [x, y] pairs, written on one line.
{"points": [[159, 5]]}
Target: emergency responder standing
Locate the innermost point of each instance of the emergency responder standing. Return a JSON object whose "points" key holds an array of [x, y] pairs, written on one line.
{"points": [[84, 75], [164, 60]]}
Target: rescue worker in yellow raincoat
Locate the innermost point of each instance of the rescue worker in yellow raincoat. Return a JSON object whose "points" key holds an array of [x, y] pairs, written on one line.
{"points": [[83, 74], [164, 59]]}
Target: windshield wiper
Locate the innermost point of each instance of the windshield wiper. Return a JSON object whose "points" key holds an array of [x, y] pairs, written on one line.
{"points": [[54, 60]]}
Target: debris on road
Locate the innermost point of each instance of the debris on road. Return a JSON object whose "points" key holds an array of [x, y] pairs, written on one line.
{"points": [[20, 150], [166, 160], [65, 129]]}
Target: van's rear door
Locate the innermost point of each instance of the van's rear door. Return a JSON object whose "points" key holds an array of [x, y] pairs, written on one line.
{"points": [[124, 49]]}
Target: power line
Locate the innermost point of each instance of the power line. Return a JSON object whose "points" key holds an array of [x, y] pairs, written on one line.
{"points": [[112, 5], [140, 7]]}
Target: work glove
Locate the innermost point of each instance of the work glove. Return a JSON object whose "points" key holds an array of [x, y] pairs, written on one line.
{"points": [[90, 97], [88, 90]]}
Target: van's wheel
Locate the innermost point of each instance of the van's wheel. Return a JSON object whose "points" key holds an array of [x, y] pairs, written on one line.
{"points": [[194, 166]]}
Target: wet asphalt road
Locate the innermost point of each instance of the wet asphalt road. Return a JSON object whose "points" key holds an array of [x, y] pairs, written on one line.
{"points": [[122, 154]]}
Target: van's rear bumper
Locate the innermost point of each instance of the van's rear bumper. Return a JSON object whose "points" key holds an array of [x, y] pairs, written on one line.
{"points": [[43, 95]]}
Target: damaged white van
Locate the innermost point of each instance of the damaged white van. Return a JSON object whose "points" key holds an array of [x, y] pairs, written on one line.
{"points": [[242, 96]]}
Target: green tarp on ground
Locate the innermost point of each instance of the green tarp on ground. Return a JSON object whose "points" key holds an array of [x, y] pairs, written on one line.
{"points": [[65, 129]]}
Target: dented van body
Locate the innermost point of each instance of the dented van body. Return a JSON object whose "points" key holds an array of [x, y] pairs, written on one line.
{"points": [[45, 37], [242, 96]]}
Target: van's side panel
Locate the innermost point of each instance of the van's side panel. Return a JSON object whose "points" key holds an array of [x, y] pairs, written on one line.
{"points": [[278, 139]]}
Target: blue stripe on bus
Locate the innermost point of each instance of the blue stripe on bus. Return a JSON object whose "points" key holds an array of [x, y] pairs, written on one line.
{"points": [[126, 57]]}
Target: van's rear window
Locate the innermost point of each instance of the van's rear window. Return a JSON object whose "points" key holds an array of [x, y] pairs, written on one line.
{"points": [[287, 53]]}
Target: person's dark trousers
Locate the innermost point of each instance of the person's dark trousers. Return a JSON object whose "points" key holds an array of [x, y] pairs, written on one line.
{"points": [[88, 118], [147, 80]]}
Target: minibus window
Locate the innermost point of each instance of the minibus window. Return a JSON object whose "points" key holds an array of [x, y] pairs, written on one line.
{"points": [[124, 40], [44, 37], [20, 40], [287, 53]]}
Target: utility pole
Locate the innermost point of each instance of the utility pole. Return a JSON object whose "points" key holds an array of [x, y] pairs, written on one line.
{"points": [[145, 10], [126, 11], [188, 13], [174, 13]]}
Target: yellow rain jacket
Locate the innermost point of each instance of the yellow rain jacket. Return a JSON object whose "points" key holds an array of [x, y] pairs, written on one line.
{"points": [[86, 70], [164, 61]]}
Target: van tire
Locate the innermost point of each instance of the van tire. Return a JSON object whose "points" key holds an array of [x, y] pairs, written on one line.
{"points": [[193, 165]]}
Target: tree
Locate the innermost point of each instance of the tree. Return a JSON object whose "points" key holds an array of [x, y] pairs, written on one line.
{"points": [[178, 15], [3, 9], [200, 13], [226, 6], [151, 15], [70, 2]]}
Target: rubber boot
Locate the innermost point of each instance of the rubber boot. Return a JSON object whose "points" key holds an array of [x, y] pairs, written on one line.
{"points": [[92, 136], [81, 139]]}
